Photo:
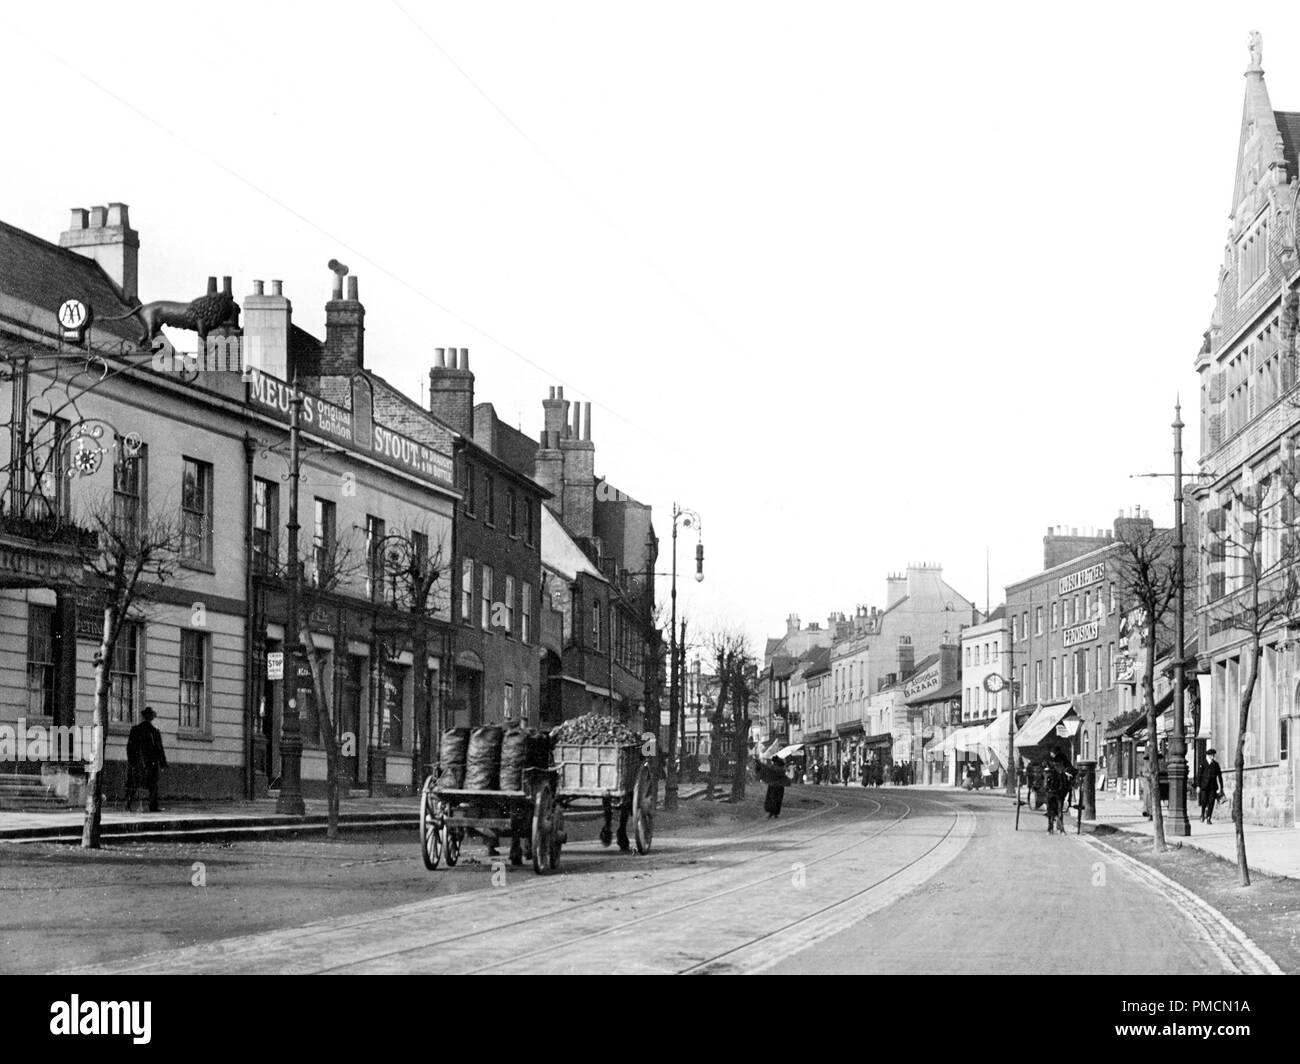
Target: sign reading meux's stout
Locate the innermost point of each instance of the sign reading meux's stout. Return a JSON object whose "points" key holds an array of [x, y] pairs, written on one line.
{"points": [[1080, 633], [1082, 578]]}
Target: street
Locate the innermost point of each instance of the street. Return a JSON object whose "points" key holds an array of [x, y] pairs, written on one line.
{"points": [[849, 879]]}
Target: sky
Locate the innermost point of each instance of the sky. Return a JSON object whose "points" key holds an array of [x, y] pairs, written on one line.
{"points": [[860, 284]]}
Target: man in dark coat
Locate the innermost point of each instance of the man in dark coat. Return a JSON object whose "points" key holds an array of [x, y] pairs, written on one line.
{"points": [[1057, 778], [1209, 784], [773, 774], [144, 759]]}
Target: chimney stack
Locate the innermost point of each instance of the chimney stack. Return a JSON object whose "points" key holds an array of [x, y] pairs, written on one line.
{"points": [[345, 328], [267, 319], [451, 390]]}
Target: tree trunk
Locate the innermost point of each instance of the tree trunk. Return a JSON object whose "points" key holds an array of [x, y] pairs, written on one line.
{"points": [[1239, 767], [1153, 758], [99, 721], [715, 733], [740, 750], [325, 727]]}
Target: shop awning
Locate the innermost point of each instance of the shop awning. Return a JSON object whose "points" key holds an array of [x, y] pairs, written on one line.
{"points": [[1043, 723], [968, 740], [933, 750], [852, 728], [996, 740], [771, 749], [789, 751]]}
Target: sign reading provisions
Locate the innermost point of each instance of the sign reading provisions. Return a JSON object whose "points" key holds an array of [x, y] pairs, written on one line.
{"points": [[1083, 578], [1080, 633], [275, 665]]}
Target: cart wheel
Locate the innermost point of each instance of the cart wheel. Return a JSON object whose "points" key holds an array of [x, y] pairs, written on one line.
{"points": [[431, 826], [450, 843], [544, 845], [643, 810]]}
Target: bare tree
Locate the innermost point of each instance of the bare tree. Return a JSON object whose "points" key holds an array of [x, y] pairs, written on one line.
{"points": [[136, 554], [334, 565], [743, 682], [1146, 577], [727, 649], [1253, 589]]}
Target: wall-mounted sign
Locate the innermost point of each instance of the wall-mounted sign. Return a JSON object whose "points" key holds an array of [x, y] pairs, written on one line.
{"points": [[74, 320], [1080, 633], [926, 681], [273, 396], [275, 665], [412, 455], [1083, 578]]}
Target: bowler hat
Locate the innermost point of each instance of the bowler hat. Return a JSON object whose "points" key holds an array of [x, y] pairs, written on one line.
{"points": [[148, 713]]}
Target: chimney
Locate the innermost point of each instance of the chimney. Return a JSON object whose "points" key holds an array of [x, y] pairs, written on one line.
{"points": [[578, 456], [345, 329], [792, 624], [451, 390], [267, 319], [105, 235], [895, 588]]}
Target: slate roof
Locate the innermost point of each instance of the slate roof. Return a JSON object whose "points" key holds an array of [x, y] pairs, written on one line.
{"points": [[819, 661], [1288, 124], [43, 275]]}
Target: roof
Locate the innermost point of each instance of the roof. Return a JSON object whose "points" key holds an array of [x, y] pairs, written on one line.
{"points": [[783, 666], [772, 644], [1288, 124], [946, 693], [818, 661], [561, 553], [43, 275]]}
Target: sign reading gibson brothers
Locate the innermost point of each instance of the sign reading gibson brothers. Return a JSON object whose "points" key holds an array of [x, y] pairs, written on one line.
{"points": [[272, 396]]}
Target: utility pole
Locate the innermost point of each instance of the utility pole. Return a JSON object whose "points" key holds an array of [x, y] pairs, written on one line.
{"points": [[670, 781], [1178, 823], [290, 801], [1013, 786]]}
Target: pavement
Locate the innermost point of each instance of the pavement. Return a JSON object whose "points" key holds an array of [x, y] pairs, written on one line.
{"points": [[224, 819]]}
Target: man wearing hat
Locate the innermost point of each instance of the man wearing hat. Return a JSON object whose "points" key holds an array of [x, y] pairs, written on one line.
{"points": [[1209, 784], [144, 759]]}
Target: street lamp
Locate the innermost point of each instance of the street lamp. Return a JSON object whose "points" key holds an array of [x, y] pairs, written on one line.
{"points": [[687, 519], [1178, 823]]}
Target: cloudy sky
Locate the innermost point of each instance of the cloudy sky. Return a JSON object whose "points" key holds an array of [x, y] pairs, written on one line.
{"points": [[861, 284]]}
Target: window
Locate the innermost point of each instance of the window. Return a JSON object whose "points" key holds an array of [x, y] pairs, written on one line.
{"points": [[196, 512], [374, 558], [996, 648], [526, 614], [1055, 620], [986, 654], [128, 490], [490, 498], [1038, 620], [467, 590], [1100, 676], [47, 474], [510, 605], [595, 625], [512, 511], [323, 543], [1015, 629], [1110, 663], [968, 656], [470, 485], [1081, 671], [1087, 606], [1252, 255], [193, 680], [40, 660], [266, 525], [124, 677], [485, 600], [508, 702], [1024, 625], [525, 705], [420, 553], [528, 521], [1052, 678]]}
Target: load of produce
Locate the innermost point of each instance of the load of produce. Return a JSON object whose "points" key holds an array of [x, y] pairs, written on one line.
{"points": [[592, 729], [454, 744], [483, 762], [514, 752]]}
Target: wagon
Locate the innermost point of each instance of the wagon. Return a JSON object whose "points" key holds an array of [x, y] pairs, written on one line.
{"points": [[581, 777]]}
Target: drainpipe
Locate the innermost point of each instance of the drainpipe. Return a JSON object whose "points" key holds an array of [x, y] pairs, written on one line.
{"points": [[250, 613]]}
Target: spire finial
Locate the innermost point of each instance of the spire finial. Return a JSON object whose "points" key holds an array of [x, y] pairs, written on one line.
{"points": [[1255, 42]]}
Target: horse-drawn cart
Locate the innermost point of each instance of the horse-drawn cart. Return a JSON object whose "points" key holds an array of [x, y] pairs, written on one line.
{"points": [[582, 776]]}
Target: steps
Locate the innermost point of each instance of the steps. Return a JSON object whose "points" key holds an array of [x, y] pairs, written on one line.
{"points": [[28, 791]]}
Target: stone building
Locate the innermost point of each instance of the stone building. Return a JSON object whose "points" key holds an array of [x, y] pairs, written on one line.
{"points": [[1250, 421]]}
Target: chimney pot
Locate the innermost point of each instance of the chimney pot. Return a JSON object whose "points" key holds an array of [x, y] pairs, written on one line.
{"points": [[586, 421], [226, 286], [117, 215], [98, 216], [440, 357], [464, 358], [277, 288], [257, 288], [212, 286], [80, 216], [352, 289], [559, 392]]}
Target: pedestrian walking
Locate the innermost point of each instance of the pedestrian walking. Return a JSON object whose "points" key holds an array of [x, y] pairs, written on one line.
{"points": [[773, 774], [1057, 778], [144, 759], [1209, 785]]}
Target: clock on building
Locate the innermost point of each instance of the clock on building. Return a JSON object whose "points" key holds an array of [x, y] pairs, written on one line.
{"points": [[994, 682]]}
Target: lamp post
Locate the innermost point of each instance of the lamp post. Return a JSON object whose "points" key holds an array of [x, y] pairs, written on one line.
{"points": [[686, 518], [290, 800], [1178, 822]]}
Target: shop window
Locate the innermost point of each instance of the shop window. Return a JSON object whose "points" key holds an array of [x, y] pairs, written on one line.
{"points": [[196, 512], [41, 643], [193, 680], [124, 680]]}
